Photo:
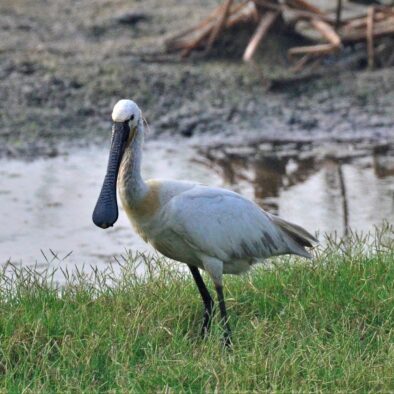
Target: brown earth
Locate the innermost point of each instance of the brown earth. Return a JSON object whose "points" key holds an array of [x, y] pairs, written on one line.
{"points": [[64, 64]]}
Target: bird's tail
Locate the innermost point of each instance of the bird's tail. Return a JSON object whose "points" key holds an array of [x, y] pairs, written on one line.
{"points": [[297, 234]]}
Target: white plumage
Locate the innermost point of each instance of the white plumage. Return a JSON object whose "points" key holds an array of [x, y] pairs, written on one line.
{"points": [[214, 229], [124, 109], [202, 222]]}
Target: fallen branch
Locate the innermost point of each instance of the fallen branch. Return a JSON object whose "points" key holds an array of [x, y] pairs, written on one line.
{"points": [[381, 29], [246, 13], [300, 64], [370, 21], [181, 41], [306, 15], [266, 22], [197, 41], [327, 31], [316, 50], [219, 27], [335, 30], [361, 22], [303, 5], [385, 9], [173, 40], [267, 4]]}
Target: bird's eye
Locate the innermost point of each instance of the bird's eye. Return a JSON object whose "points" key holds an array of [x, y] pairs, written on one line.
{"points": [[132, 117]]}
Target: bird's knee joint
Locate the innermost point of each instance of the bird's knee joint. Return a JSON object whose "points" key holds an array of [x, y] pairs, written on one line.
{"points": [[214, 267]]}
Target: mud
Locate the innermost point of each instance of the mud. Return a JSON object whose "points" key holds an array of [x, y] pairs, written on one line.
{"points": [[63, 65]]}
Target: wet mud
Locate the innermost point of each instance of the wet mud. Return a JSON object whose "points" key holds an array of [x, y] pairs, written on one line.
{"points": [[63, 65]]}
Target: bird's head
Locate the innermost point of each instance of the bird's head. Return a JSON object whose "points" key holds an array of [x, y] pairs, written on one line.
{"points": [[126, 111], [127, 118]]}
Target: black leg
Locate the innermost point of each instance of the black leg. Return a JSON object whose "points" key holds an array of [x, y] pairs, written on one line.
{"points": [[223, 313], [206, 297]]}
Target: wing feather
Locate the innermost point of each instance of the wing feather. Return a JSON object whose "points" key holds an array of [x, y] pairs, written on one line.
{"points": [[225, 225]]}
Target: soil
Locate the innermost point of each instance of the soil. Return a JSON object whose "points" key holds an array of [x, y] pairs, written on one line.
{"points": [[63, 65]]}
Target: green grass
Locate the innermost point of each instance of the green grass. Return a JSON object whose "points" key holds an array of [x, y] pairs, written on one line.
{"points": [[324, 325]]}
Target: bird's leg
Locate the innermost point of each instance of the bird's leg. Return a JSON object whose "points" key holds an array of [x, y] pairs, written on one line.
{"points": [[214, 267], [223, 313], [207, 299]]}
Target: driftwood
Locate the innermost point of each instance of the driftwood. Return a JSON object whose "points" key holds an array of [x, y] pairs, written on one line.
{"points": [[217, 29], [334, 31], [370, 22], [266, 22], [327, 32], [304, 5], [191, 38], [384, 28]]}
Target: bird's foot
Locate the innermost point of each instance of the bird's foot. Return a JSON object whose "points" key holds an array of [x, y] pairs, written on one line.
{"points": [[227, 341], [207, 323]]}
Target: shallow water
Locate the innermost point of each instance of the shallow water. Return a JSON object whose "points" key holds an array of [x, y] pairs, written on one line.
{"points": [[323, 193], [46, 205]]}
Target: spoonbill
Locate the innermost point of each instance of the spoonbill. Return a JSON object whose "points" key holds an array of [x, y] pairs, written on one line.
{"points": [[207, 228]]}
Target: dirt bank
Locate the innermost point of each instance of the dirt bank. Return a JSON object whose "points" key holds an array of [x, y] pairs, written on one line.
{"points": [[63, 65]]}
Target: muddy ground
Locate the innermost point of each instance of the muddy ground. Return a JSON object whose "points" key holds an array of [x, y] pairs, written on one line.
{"points": [[64, 64]]}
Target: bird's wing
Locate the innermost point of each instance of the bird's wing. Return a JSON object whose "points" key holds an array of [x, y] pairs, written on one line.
{"points": [[225, 225]]}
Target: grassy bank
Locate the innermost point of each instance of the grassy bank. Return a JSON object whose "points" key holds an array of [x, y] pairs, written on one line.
{"points": [[320, 325]]}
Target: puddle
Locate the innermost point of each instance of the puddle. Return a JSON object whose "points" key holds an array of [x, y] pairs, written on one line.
{"points": [[335, 191], [47, 204]]}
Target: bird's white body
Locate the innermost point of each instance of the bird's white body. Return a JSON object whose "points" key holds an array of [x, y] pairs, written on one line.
{"points": [[205, 227], [212, 228], [196, 224]]}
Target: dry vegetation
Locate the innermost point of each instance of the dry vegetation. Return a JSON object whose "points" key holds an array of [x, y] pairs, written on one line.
{"points": [[297, 17]]}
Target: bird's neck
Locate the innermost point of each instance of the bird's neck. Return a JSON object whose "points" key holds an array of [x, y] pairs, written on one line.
{"points": [[132, 187]]}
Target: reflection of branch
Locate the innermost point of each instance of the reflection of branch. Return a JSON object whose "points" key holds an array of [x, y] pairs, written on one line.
{"points": [[342, 188], [370, 23]]}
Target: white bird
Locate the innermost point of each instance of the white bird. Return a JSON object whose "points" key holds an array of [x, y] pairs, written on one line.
{"points": [[207, 228]]}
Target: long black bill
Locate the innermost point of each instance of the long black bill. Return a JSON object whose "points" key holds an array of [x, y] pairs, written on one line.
{"points": [[105, 213]]}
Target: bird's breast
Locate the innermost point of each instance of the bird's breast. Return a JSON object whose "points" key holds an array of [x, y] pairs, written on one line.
{"points": [[145, 207]]}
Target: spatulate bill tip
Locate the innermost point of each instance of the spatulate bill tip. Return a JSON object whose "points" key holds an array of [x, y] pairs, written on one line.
{"points": [[105, 217]]}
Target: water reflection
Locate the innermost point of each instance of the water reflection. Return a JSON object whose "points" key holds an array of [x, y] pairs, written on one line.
{"points": [[328, 192], [47, 204]]}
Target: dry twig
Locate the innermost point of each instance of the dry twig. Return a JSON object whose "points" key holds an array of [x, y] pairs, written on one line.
{"points": [[370, 21], [337, 31], [219, 26], [266, 22]]}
